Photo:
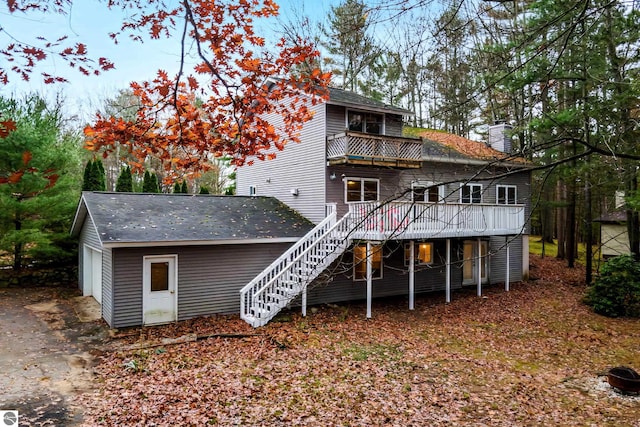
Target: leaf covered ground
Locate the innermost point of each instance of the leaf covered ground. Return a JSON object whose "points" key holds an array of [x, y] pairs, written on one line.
{"points": [[531, 356]]}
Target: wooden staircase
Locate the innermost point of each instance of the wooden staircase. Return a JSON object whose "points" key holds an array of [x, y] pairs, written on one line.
{"points": [[290, 274]]}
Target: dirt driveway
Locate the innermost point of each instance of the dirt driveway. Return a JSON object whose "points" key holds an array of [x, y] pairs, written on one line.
{"points": [[47, 341]]}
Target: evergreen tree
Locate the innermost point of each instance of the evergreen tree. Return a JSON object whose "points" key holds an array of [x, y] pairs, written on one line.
{"points": [[37, 206], [204, 190], [147, 183], [100, 175], [177, 188], [125, 181], [184, 189]]}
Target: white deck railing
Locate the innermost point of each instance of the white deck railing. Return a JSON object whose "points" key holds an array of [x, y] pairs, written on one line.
{"points": [[406, 220], [290, 274], [367, 146]]}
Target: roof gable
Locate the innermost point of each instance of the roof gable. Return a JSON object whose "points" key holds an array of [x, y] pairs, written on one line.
{"points": [[189, 219]]}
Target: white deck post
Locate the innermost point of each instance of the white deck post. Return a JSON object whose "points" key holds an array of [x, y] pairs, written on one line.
{"points": [[411, 275], [479, 268], [448, 279], [369, 279], [304, 302], [506, 283]]}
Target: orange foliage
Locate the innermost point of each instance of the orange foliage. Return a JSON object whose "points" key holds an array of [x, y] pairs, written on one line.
{"points": [[183, 121]]}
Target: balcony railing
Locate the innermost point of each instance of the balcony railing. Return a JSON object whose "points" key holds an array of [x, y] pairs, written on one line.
{"points": [[406, 220], [362, 148]]}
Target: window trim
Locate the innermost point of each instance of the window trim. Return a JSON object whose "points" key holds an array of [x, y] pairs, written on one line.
{"points": [[416, 257], [507, 187], [363, 261], [362, 180], [425, 184], [364, 121], [471, 185]]}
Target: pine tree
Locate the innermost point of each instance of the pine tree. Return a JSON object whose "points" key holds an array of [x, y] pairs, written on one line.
{"points": [[125, 181], [185, 188], [101, 178], [93, 179], [204, 190], [177, 188], [147, 186]]}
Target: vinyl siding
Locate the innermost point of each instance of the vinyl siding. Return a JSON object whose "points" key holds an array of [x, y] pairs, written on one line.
{"points": [[498, 259], [209, 278], [337, 121], [299, 166], [88, 236], [395, 280]]}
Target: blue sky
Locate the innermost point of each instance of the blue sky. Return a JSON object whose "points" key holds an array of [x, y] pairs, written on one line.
{"points": [[90, 22]]}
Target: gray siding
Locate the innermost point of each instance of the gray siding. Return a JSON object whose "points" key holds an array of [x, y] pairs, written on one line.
{"points": [[88, 236], [395, 280], [337, 121], [107, 286], [430, 278], [498, 258], [299, 166], [209, 278]]}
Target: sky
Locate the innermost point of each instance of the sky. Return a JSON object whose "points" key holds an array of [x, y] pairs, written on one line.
{"points": [[89, 22]]}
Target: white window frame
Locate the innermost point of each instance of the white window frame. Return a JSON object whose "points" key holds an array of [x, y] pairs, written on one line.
{"points": [[253, 190], [362, 181], [416, 257], [471, 185], [425, 185], [364, 121], [506, 198], [363, 262]]}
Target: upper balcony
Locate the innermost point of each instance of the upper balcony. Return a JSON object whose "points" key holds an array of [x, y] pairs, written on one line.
{"points": [[407, 220], [358, 148]]}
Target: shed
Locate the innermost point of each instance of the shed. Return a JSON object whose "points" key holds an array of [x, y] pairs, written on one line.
{"points": [[614, 238], [157, 258]]}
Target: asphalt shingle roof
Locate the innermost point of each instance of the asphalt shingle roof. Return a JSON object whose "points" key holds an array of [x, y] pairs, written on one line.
{"points": [[344, 97], [154, 218]]}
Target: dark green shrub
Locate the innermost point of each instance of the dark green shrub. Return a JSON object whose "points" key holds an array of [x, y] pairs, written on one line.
{"points": [[616, 292]]}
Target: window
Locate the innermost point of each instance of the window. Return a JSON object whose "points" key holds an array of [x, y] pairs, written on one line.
{"points": [[360, 262], [252, 190], [365, 122], [471, 193], [506, 195], [426, 192], [361, 190], [159, 276], [423, 253]]}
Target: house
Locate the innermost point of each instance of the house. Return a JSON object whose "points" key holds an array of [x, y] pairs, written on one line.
{"points": [[157, 258], [393, 215], [354, 211], [614, 237]]}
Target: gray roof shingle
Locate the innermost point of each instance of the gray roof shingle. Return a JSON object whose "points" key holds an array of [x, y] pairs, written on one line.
{"points": [[157, 218], [344, 97]]}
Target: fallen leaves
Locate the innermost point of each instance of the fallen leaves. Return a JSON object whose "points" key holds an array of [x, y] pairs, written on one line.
{"points": [[530, 356]]}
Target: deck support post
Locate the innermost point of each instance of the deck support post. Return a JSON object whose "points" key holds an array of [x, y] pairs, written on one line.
{"points": [[369, 279], [304, 301], [479, 267], [412, 289], [506, 282], [448, 273]]}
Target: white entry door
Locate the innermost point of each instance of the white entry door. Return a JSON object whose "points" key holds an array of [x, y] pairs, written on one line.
{"points": [[160, 283], [470, 263], [92, 273]]}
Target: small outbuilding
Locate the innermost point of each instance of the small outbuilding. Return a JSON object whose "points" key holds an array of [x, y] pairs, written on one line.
{"points": [[157, 258]]}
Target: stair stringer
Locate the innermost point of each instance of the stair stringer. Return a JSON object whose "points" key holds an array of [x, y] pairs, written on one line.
{"points": [[289, 275]]}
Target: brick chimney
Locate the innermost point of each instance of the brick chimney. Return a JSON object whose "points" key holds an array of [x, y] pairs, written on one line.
{"points": [[500, 136]]}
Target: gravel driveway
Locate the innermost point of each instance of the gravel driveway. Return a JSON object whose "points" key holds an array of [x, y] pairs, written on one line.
{"points": [[47, 337]]}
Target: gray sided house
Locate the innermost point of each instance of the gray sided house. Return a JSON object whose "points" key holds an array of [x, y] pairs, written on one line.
{"points": [[158, 258], [394, 215]]}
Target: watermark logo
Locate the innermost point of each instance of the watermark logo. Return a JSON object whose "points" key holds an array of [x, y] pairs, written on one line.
{"points": [[8, 418]]}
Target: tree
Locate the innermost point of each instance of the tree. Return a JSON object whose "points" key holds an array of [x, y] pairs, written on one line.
{"points": [[353, 50], [38, 199], [150, 183], [125, 181], [93, 179], [183, 122]]}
